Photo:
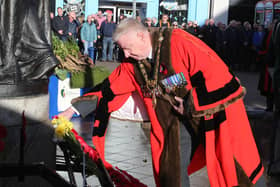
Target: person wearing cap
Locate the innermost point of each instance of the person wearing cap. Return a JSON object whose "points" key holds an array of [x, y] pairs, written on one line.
{"points": [[106, 30], [99, 17]]}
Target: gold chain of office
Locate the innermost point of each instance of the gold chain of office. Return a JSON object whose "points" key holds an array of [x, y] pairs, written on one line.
{"points": [[151, 88]]}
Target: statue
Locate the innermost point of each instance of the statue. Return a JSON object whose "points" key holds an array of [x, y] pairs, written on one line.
{"points": [[26, 61], [26, 56]]}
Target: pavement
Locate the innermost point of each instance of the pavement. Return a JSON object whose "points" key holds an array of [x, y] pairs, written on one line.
{"points": [[127, 143]]}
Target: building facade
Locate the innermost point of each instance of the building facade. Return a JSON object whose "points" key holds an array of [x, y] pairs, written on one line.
{"points": [[178, 10], [144, 8]]}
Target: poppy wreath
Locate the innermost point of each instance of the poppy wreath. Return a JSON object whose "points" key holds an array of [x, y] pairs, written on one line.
{"points": [[65, 133]]}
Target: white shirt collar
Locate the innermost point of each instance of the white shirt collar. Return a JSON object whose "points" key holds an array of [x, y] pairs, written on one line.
{"points": [[151, 54]]}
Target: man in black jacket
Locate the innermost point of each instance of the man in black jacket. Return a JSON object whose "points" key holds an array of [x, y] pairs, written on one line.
{"points": [[273, 56], [60, 25]]}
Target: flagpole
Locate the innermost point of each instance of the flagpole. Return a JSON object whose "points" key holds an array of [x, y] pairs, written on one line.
{"points": [[134, 8]]}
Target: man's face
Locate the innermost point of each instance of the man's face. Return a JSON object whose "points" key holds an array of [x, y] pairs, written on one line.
{"points": [[135, 45], [99, 14], [149, 21], [138, 18], [59, 11], [51, 15], [109, 17], [165, 18], [72, 15], [89, 19]]}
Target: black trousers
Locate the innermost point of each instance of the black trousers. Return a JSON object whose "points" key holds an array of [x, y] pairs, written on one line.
{"points": [[274, 167]]}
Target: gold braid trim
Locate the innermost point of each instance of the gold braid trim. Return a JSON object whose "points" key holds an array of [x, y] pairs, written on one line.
{"points": [[211, 111]]}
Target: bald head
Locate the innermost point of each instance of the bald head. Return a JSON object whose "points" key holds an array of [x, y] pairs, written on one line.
{"points": [[128, 25], [134, 38]]}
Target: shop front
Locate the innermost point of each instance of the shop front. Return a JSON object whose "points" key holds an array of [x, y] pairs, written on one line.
{"points": [[144, 8], [266, 11], [177, 10]]}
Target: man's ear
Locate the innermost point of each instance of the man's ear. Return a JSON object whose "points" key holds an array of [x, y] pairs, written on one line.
{"points": [[140, 34]]}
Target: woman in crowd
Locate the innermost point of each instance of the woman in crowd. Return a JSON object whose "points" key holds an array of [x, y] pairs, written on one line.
{"points": [[88, 34]]}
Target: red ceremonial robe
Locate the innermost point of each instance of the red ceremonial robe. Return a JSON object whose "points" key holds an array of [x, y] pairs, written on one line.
{"points": [[215, 97]]}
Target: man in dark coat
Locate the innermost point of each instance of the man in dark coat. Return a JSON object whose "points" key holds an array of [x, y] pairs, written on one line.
{"points": [[273, 53], [232, 44], [60, 25], [107, 29]]}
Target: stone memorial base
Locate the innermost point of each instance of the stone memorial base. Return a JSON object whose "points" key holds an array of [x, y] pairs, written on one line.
{"points": [[38, 147]]}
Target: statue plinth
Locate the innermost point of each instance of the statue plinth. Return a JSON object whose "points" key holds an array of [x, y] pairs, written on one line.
{"points": [[38, 147]]}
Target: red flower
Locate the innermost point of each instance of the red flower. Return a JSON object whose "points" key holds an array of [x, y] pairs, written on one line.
{"points": [[3, 134], [163, 69], [93, 154], [122, 179]]}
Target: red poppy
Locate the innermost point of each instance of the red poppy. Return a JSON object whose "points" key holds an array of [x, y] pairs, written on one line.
{"points": [[3, 134], [163, 69]]}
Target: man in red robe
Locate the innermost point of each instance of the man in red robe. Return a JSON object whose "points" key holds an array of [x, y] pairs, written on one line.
{"points": [[188, 91]]}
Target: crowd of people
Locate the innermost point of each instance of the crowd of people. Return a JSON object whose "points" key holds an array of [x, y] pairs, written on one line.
{"points": [[241, 46], [94, 31]]}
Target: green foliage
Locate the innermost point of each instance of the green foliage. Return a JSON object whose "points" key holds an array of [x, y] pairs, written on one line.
{"points": [[61, 73], [72, 47], [82, 75], [59, 48], [90, 78], [62, 49]]}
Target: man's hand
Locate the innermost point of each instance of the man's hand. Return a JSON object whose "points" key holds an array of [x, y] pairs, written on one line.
{"points": [[68, 113], [60, 32], [180, 107], [69, 33]]}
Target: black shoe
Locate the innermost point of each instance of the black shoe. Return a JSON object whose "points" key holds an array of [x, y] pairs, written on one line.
{"points": [[274, 169], [269, 109]]}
